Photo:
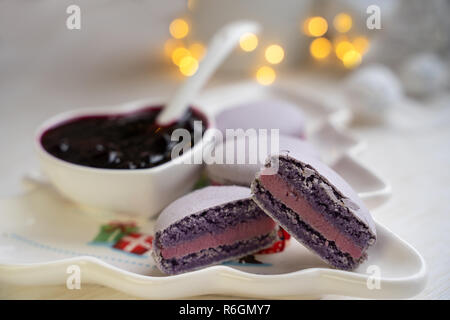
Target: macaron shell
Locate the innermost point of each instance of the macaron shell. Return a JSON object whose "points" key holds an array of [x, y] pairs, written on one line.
{"points": [[198, 201], [264, 114], [243, 174]]}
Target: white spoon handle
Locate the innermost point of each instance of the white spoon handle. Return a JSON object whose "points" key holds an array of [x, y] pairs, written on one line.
{"points": [[218, 49]]}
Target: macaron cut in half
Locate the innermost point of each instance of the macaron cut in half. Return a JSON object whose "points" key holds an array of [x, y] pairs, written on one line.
{"points": [[210, 226], [317, 207]]}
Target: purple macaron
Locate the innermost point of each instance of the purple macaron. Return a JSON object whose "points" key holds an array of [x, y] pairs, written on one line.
{"points": [[210, 226], [242, 174], [317, 207], [264, 114]]}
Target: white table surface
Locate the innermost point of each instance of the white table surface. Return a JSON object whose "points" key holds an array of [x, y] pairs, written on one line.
{"points": [[412, 151]]}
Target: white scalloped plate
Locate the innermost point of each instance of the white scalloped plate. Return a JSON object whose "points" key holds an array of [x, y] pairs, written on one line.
{"points": [[41, 234]]}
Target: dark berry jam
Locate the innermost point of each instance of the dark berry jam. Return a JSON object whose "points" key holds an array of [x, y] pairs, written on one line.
{"points": [[129, 141]]}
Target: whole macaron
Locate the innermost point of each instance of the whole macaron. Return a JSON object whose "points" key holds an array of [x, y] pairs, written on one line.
{"points": [[242, 157], [264, 114]]}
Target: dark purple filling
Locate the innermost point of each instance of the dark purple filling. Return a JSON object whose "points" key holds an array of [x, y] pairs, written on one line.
{"points": [[214, 255], [291, 221], [214, 220], [311, 190], [128, 141]]}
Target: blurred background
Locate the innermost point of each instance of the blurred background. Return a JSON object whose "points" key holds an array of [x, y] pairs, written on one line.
{"points": [[390, 60]]}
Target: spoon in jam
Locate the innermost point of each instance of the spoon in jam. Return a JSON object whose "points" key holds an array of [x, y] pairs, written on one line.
{"points": [[219, 47]]}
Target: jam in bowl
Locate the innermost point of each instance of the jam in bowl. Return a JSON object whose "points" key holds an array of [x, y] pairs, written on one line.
{"points": [[116, 160], [124, 141]]}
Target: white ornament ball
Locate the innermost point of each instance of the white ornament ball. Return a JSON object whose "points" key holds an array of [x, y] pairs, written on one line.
{"points": [[372, 91], [423, 75]]}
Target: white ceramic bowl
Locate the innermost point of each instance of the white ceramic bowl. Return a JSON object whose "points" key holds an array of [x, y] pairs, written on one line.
{"points": [[143, 192]]}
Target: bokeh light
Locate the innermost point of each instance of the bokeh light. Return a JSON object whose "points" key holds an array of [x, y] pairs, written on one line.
{"points": [[178, 54], [343, 22], [274, 54], [352, 59], [361, 44], [315, 26], [320, 48], [265, 75], [179, 28], [342, 48], [188, 65], [197, 50], [248, 42]]}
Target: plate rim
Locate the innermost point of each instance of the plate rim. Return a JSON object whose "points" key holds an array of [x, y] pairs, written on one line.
{"points": [[398, 287]]}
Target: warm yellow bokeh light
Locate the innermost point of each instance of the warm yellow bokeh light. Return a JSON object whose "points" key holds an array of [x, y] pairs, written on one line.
{"points": [[361, 44], [351, 59], [197, 50], [315, 26], [188, 66], [179, 28], [178, 54], [248, 42], [265, 75], [342, 48], [274, 54], [343, 22], [320, 48]]}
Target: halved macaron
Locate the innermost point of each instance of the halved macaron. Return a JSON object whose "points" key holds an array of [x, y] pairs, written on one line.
{"points": [[210, 226], [317, 207]]}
